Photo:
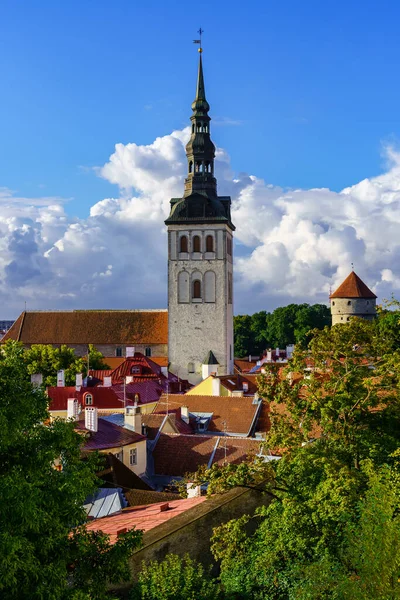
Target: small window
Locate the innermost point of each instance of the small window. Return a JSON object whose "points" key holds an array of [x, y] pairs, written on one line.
{"points": [[333, 303], [118, 351], [341, 318], [229, 245], [147, 352], [133, 457], [196, 244], [348, 302], [367, 302], [190, 166], [348, 318], [119, 455], [135, 370], [209, 243], [183, 244], [88, 399], [190, 367], [196, 289]]}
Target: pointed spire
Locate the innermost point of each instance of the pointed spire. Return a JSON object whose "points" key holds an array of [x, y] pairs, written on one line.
{"points": [[200, 92], [200, 105]]}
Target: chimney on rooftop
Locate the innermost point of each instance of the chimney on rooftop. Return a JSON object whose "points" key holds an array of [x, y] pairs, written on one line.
{"points": [[129, 351], [164, 371], [133, 419], [245, 386], [277, 353], [72, 409], [216, 386], [193, 491], [91, 418], [269, 355], [185, 414]]}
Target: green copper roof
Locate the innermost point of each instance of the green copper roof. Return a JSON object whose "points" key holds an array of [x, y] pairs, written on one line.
{"points": [[210, 359]]}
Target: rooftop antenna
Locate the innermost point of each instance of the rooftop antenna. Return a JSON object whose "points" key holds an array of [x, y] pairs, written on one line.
{"points": [[200, 32]]}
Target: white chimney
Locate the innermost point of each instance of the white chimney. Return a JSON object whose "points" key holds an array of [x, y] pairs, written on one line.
{"points": [[164, 371], [277, 351], [107, 381], [249, 357], [245, 386], [129, 351], [72, 409], [185, 414], [128, 379], [91, 418], [60, 379], [216, 386], [193, 491], [37, 380], [133, 419], [269, 355], [289, 351], [206, 370], [78, 381]]}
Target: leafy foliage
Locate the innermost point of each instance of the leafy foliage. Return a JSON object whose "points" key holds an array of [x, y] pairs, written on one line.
{"points": [[285, 325], [40, 505], [176, 578]]}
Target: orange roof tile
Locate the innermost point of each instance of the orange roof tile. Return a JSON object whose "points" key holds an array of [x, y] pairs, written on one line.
{"points": [[353, 287], [91, 327], [234, 414], [143, 517]]}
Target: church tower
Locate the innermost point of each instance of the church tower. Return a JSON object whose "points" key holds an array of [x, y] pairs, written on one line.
{"points": [[200, 261]]}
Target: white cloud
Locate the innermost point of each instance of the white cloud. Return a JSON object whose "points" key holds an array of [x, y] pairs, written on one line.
{"points": [[292, 246]]}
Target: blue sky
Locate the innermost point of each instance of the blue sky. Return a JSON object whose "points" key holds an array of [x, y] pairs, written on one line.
{"points": [[305, 101], [312, 86]]}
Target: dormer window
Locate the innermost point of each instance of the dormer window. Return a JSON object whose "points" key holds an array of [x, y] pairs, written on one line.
{"points": [[88, 399], [135, 370]]}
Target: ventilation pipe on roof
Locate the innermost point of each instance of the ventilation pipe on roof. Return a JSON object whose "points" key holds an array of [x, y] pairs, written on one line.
{"points": [[91, 418], [216, 386], [107, 381], [133, 419]]}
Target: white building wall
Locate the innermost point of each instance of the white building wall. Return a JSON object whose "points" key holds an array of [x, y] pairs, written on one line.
{"points": [[342, 309]]}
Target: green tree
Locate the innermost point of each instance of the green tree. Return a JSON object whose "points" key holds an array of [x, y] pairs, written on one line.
{"points": [[175, 578], [96, 359], [243, 335], [40, 505]]}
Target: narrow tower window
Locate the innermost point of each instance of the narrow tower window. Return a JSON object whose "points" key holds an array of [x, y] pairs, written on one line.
{"points": [[209, 243], [196, 289], [190, 166], [183, 244], [196, 244]]}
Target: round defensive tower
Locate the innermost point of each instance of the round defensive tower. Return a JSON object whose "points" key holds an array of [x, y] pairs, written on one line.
{"points": [[352, 299]]}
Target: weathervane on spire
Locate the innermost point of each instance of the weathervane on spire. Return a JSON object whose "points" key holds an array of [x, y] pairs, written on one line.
{"points": [[200, 32], [352, 266]]}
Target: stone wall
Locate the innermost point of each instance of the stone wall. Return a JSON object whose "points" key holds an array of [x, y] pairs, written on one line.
{"points": [[191, 531], [109, 350], [342, 309], [197, 326]]}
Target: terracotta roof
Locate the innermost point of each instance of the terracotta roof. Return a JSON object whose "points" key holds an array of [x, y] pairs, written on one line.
{"points": [[353, 287], [143, 517], [104, 398], [91, 327], [229, 413], [153, 422], [176, 455], [235, 383], [161, 361], [243, 365], [108, 435], [114, 361]]}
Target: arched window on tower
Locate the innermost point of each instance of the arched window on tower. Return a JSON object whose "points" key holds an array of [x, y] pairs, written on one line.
{"points": [[196, 243], [196, 289], [199, 127], [193, 128], [209, 243], [183, 244], [190, 166]]}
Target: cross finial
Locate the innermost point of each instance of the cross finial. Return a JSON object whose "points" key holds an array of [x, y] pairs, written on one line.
{"points": [[200, 32]]}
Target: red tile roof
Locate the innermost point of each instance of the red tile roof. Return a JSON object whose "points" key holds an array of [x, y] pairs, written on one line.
{"points": [[243, 366], [143, 517], [176, 455], [109, 435], [230, 413], [91, 327], [104, 398], [235, 383], [353, 287]]}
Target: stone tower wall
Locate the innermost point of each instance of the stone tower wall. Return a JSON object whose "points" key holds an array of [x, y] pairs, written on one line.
{"points": [[196, 327], [342, 309]]}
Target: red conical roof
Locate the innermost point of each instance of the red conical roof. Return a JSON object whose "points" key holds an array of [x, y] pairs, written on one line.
{"points": [[353, 287]]}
